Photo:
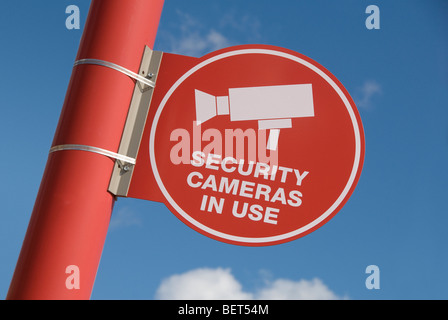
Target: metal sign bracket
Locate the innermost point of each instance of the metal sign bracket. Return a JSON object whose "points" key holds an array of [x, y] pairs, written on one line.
{"points": [[135, 122]]}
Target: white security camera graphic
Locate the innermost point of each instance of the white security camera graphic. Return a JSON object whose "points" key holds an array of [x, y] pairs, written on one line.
{"points": [[273, 106]]}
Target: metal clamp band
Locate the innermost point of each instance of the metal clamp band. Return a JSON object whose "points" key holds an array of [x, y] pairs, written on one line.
{"points": [[107, 153], [117, 68]]}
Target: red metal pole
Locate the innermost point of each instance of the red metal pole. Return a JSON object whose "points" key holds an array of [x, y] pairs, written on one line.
{"points": [[72, 211]]}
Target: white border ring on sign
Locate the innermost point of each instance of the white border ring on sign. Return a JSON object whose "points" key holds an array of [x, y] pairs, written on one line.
{"points": [[262, 240]]}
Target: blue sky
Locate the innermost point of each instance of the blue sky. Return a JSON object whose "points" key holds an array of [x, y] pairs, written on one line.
{"points": [[396, 219]]}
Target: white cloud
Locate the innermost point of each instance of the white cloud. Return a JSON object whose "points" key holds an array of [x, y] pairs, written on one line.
{"points": [[219, 283], [247, 25], [191, 37], [283, 289], [202, 284], [195, 43], [366, 92], [124, 217]]}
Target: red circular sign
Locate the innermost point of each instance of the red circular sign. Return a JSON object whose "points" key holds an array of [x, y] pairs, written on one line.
{"points": [[256, 145]]}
